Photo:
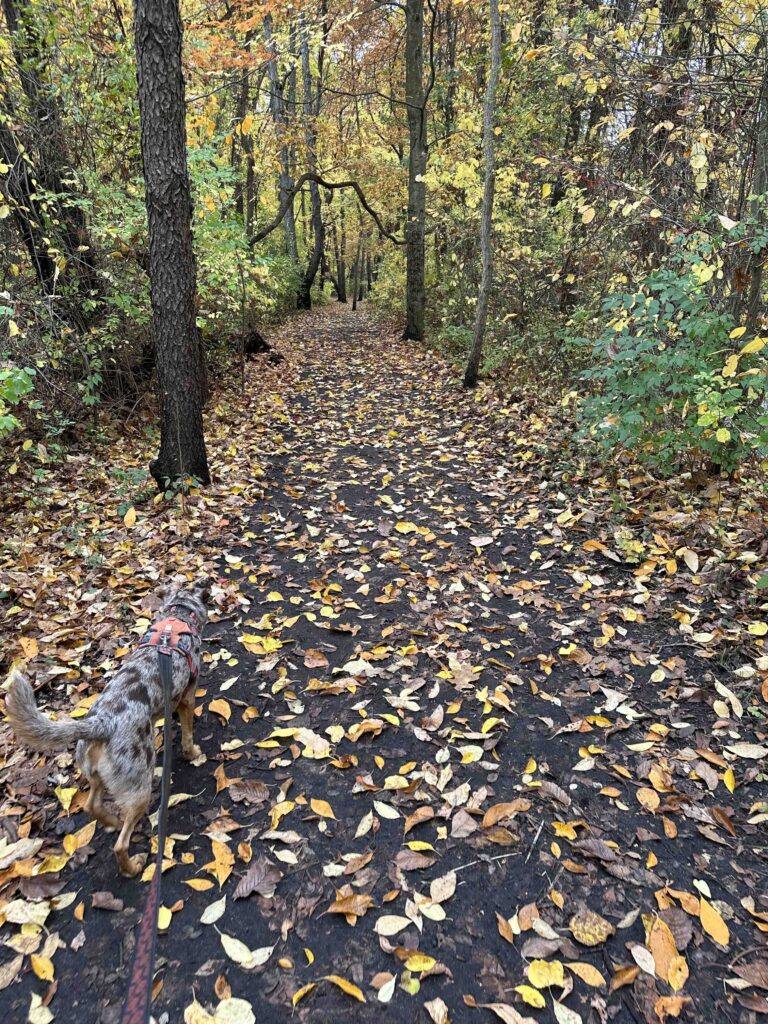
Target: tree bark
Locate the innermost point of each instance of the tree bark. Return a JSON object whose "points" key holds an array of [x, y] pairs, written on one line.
{"points": [[51, 167], [759, 187], [311, 112], [172, 272], [489, 186], [277, 107], [417, 168]]}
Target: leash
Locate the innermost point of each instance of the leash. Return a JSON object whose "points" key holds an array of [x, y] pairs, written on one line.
{"points": [[138, 1001]]}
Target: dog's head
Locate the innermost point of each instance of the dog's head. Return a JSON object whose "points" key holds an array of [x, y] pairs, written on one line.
{"points": [[194, 599]]}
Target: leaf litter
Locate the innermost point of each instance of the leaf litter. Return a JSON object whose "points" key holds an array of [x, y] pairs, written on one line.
{"points": [[475, 745]]}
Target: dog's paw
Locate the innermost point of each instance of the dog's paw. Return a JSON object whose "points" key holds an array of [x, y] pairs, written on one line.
{"points": [[130, 866], [192, 753]]}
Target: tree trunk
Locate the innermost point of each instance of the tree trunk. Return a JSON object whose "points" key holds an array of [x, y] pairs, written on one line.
{"points": [[311, 112], [172, 272], [277, 107], [489, 185], [417, 168], [51, 168], [759, 187]]}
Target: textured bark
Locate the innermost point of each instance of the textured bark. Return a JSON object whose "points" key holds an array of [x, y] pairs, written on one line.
{"points": [[28, 217], [417, 168], [311, 111], [489, 186], [172, 272], [277, 108], [759, 188], [51, 167]]}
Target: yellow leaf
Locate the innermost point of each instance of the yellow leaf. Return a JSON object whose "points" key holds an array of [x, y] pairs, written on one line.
{"points": [[65, 795], [589, 928], [587, 973], [302, 992], [731, 365], [543, 973], [754, 346], [758, 628], [406, 528], [588, 215], [546, 190], [723, 434], [130, 516], [677, 974], [219, 706], [30, 648], [729, 779], [713, 923], [419, 962], [322, 807], [164, 918], [42, 966], [737, 332], [531, 996], [346, 986], [198, 884], [77, 840], [55, 862], [649, 798]]}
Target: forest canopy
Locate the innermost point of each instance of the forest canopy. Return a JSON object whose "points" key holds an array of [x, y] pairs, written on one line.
{"points": [[337, 149]]}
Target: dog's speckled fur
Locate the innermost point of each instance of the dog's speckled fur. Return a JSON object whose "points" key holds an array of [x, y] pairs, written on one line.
{"points": [[116, 740]]}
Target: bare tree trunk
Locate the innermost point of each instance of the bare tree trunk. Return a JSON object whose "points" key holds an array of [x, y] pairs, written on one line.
{"points": [[277, 107], [489, 185], [417, 168], [311, 111], [172, 271], [759, 186]]}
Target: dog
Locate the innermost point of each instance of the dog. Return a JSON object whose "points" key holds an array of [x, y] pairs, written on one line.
{"points": [[116, 739]]}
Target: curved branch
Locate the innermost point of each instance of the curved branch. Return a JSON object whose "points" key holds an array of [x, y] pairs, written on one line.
{"points": [[330, 185]]}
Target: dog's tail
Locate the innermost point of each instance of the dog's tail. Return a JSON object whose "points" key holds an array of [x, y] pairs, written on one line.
{"points": [[35, 729]]}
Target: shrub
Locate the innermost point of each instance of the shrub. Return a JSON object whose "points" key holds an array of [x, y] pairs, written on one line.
{"points": [[670, 383]]}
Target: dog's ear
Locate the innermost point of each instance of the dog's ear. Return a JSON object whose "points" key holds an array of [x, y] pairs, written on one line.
{"points": [[202, 589]]}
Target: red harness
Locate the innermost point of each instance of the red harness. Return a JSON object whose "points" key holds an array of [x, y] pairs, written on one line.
{"points": [[174, 635]]}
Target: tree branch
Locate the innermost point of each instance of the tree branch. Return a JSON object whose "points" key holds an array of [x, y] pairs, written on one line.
{"points": [[330, 185]]}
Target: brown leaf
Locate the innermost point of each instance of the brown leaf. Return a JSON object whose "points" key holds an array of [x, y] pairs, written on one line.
{"points": [[409, 860], [106, 901], [261, 877], [250, 791], [500, 812], [421, 814]]}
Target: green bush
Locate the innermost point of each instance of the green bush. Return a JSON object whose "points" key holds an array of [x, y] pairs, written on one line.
{"points": [[671, 382], [15, 383]]}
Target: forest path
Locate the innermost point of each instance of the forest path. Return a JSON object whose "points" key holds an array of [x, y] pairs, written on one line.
{"points": [[435, 631]]}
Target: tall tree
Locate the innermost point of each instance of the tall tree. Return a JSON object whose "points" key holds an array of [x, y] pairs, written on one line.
{"points": [[415, 98], [178, 351], [277, 108], [489, 188], [312, 101], [52, 203]]}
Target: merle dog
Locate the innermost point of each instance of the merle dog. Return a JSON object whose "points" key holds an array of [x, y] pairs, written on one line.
{"points": [[116, 740]]}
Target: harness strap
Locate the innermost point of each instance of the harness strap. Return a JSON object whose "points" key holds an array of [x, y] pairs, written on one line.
{"points": [[138, 1001], [174, 635]]}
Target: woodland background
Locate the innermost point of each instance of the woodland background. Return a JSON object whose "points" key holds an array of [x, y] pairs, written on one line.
{"points": [[630, 166]]}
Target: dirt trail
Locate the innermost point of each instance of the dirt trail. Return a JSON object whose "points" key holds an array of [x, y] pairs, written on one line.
{"points": [[437, 627]]}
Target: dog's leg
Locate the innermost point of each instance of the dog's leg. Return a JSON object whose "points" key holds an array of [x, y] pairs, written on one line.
{"points": [[94, 805], [134, 812], [186, 709]]}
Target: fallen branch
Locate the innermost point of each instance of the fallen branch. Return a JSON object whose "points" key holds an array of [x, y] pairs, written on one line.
{"points": [[330, 185]]}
